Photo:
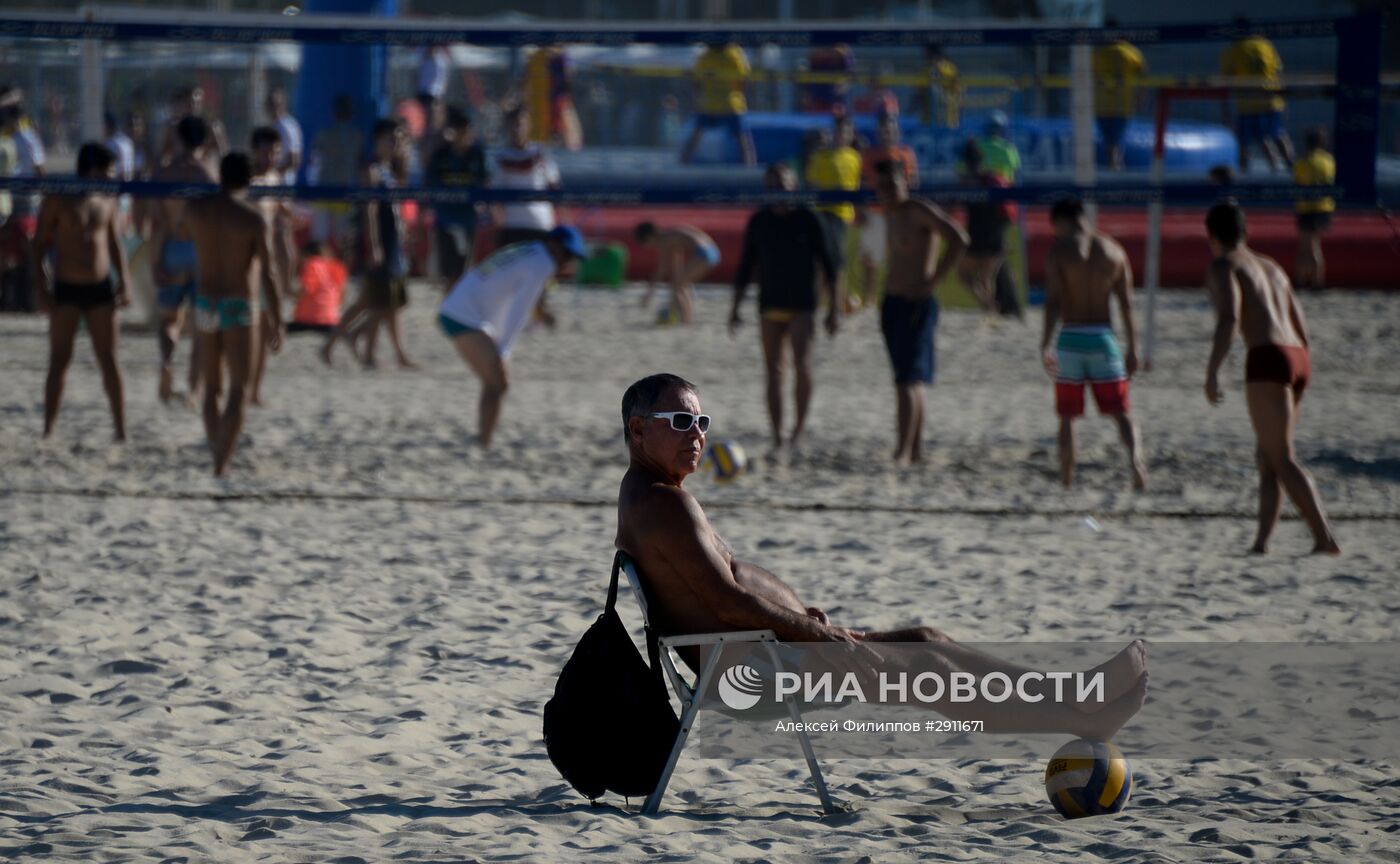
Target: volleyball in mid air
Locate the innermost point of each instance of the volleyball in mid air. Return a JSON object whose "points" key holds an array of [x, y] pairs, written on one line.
{"points": [[1088, 778], [726, 461]]}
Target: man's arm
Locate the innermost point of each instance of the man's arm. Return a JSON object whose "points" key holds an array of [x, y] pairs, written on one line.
{"points": [[1225, 295], [1054, 291], [117, 251], [1123, 290], [376, 248], [954, 237], [271, 277], [43, 239], [744, 274], [677, 535], [1295, 313]]}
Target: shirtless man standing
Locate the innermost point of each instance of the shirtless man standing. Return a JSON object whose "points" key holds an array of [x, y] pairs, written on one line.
{"points": [[174, 260], [1084, 270], [684, 254], [88, 254], [909, 312], [269, 169], [694, 584], [234, 242], [1252, 294]]}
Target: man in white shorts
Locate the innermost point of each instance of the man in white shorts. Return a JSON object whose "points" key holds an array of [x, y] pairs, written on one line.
{"points": [[489, 307]]}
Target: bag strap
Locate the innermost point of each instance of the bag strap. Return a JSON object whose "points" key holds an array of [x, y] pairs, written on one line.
{"points": [[612, 586], [653, 647]]}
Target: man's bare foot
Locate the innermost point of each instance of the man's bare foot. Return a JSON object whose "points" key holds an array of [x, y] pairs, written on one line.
{"points": [[1139, 475], [1104, 723], [405, 363], [1120, 675], [326, 353], [1259, 548], [167, 384], [255, 400], [1327, 546]]}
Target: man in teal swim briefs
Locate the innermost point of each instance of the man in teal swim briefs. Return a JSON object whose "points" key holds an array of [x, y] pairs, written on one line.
{"points": [[233, 242], [1084, 270]]}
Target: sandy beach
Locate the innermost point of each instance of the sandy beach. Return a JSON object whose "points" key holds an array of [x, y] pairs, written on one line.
{"points": [[341, 652]]}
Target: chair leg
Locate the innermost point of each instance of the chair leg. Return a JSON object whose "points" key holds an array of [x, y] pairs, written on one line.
{"points": [[828, 805], [653, 802]]}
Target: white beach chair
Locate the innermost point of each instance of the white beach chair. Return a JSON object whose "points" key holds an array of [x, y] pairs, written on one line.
{"points": [[692, 695]]}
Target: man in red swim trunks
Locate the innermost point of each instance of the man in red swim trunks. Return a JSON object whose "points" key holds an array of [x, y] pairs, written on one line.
{"points": [[1251, 292]]}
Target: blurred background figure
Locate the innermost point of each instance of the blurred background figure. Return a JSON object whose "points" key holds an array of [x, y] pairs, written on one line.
{"points": [[829, 96], [1254, 63], [459, 162], [1314, 168], [25, 154], [434, 63], [837, 166], [1117, 68], [289, 131], [523, 164], [549, 97], [939, 103], [335, 161], [189, 102], [719, 75]]}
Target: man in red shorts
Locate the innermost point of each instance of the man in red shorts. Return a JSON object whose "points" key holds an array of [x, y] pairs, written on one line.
{"points": [[1084, 271], [1251, 293]]}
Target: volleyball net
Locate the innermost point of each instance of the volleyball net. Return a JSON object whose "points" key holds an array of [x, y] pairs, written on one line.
{"points": [[642, 115]]}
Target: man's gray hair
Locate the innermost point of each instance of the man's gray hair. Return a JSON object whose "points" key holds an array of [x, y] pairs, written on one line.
{"points": [[642, 396]]}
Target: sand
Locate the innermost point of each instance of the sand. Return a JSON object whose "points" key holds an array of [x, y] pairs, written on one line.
{"points": [[341, 652]]}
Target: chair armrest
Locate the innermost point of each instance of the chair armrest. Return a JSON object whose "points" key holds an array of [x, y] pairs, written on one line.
{"points": [[717, 638]]}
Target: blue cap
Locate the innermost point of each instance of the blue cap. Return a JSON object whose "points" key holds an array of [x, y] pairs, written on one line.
{"points": [[997, 121], [569, 237]]}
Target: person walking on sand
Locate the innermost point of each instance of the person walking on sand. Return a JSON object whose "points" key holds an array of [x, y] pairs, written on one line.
{"points": [[90, 280], [1251, 294], [1084, 272], [233, 244]]}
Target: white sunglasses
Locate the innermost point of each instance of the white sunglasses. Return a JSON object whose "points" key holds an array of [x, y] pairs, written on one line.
{"points": [[682, 421]]}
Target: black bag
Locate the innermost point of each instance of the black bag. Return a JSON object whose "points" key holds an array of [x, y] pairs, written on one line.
{"points": [[610, 725]]}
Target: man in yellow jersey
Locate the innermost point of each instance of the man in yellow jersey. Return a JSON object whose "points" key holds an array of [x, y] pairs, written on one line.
{"points": [[1314, 168], [837, 167], [719, 76], [1253, 62], [940, 102], [1117, 68]]}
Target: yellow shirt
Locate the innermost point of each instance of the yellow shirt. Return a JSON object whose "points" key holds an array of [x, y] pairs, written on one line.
{"points": [[720, 72], [1116, 70], [945, 94], [1315, 168], [835, 168], [1254, 61]]}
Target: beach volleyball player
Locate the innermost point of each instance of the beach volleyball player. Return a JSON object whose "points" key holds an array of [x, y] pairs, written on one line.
{"points": [[488, 308], [909, 311], [1085, 271], [1252, 294]]}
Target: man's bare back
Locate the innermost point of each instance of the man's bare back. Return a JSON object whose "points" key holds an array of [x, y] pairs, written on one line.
{"points": [[231, 236], [1268, 313], [1090, 267], [170, 212], [80, 229]]}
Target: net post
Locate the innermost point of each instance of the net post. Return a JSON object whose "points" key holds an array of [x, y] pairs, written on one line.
{"points": [[1153, 265], [1081, 106], [92, 83]]}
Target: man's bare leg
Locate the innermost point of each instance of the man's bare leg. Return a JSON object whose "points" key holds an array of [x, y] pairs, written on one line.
{"points": [[480, 353], [1125, 688], [168, 335], [1270, 502], [773, 335], [1273, 412], [211, 355], [803, 331], [371, 336], [1127, 433], [102, 329], [347, 322], [916, 434], [63, 328], [240, 347], [260, 353], [904, 420], [395, 325], [1067, 452]]}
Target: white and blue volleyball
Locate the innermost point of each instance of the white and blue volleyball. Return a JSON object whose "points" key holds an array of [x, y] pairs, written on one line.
{"points": [[1088, 778], [726, 460]]}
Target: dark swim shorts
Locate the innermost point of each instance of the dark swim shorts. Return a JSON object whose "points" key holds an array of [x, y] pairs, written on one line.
{"points": [[908, 326]]}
